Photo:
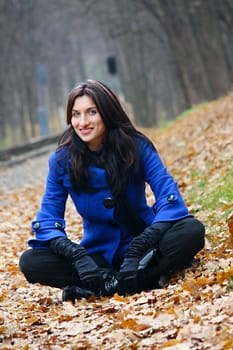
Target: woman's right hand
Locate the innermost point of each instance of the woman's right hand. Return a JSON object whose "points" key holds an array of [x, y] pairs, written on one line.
{"points": [[88, 271]]}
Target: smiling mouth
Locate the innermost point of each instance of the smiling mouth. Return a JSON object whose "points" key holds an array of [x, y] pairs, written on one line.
{"points": [[85, 131]]}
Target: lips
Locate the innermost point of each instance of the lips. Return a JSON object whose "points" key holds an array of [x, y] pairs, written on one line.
{"points": [[86, 131]]}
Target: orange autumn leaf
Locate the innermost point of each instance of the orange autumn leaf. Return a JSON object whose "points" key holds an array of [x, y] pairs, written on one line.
{"points": [[194, 284], [202, 281], [190, 285], [2, 320], [230, 271], [3, 329], [221, 276], [12, 268], [33, 320], [172, 312], [3, 295], [228, 345], [134, 325], [117, 297], [224, 275], [230, 224]]}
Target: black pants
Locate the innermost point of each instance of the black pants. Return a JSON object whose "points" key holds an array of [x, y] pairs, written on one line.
{"points": [[176, 248]]}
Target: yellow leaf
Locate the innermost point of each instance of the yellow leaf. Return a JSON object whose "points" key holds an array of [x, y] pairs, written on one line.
{"points": [[117, 297], [3, 329], [132, 324], [33, 320]]}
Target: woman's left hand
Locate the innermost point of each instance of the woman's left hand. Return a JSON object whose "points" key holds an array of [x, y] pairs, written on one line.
{"points": [[127, 276], [139, 247]]}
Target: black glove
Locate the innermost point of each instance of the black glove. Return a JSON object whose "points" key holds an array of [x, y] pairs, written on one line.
{"points": [[74, 293], [89, 273], [127, 277], [141, 247], [111, 286]]}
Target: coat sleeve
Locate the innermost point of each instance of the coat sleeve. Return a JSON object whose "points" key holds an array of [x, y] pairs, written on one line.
{"points": [[169, 204], [50, 221]]}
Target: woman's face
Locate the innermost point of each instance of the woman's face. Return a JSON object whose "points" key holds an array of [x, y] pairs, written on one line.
{"points": [[88, 123]]}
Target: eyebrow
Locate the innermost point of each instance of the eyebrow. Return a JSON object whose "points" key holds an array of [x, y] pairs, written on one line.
{"points": [[91, 107]]}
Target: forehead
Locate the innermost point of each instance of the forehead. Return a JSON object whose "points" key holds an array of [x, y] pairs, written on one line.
{"points": [[83, 102]]}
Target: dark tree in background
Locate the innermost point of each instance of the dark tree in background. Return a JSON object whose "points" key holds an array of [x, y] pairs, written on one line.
{"points": [[169, 55], [173, 53]]}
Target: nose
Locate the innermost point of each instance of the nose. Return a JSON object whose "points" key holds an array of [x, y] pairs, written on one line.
{"points": [[83, 120]]}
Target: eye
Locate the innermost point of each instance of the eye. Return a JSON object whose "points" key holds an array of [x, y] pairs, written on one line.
{"points": [[92, 112], [75, 114]]}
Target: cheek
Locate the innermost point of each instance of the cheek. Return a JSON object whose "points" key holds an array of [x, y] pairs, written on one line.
{"points": [[104, 129], [102, 126], [74, 122]]}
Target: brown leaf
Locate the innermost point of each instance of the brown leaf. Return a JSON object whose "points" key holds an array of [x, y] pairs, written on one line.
{"points": [[230, 224]]}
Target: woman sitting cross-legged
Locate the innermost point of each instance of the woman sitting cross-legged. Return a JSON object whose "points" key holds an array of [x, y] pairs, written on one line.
{"points": [[104, 163]]}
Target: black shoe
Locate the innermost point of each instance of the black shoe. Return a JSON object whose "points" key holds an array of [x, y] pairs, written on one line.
{"points": [[163, 280], [72, 293], [194, 262]]}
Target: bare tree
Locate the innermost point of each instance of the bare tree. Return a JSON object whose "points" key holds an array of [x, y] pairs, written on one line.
{"points": [[169, 56]]}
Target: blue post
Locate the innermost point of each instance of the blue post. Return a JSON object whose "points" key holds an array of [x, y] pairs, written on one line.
{"points": [[42, 113]]}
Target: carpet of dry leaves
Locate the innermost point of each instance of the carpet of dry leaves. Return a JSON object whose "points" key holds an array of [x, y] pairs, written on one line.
{"points": [[195, 311]]}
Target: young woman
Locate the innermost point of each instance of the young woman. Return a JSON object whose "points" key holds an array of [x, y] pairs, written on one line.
{"points": [[103, 163]]}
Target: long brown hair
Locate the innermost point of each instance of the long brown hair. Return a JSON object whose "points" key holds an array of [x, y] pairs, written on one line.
{"points": [[120, 150]]}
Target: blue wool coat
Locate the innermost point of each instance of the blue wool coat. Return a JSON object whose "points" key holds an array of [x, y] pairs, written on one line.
{"points": [[100, 232]]}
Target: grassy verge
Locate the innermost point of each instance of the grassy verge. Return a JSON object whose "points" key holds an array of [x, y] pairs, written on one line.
{"points": [[166, 123], [215, 195], [213, 199]]}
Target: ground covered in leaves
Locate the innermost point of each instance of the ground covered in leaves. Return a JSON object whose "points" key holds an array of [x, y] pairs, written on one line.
{"points": [[195, 311]]}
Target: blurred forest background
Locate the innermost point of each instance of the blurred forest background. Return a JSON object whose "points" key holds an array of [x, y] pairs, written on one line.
{"points": [[161, 56]]}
